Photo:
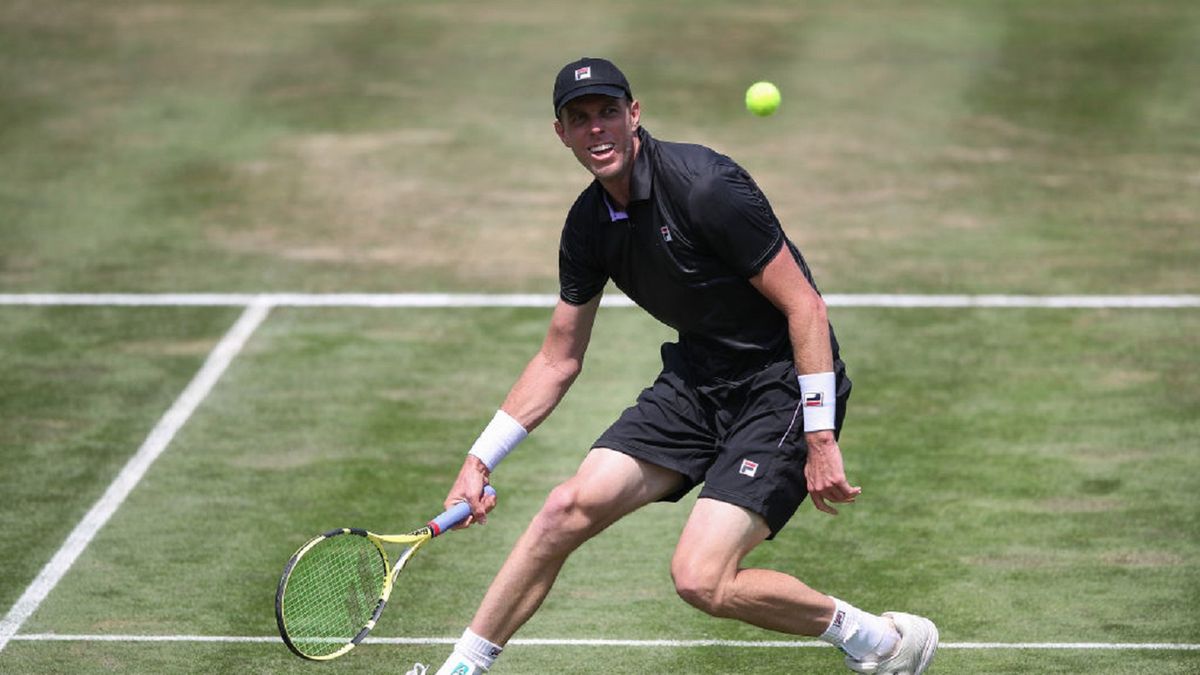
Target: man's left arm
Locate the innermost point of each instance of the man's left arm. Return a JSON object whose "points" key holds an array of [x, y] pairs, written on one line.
{"points": [[782, 282]]}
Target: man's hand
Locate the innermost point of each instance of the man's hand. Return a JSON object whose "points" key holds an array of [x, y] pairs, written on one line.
{"points": [[825, 474], [468, 487]]}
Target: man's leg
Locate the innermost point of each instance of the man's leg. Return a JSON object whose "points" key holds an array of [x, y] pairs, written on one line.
{"points": [[708, 575], [607, 486]]}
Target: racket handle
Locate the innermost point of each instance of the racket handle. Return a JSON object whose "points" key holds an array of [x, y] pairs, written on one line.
{"points": [[455, 514]]}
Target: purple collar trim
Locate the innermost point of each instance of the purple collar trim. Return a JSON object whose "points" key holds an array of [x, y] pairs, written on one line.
{"points": [[613, 214]]}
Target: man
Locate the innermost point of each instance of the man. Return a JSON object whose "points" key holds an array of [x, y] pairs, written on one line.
{"points": [[749, 402]]}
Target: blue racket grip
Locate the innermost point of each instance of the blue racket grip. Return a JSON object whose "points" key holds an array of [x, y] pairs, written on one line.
{"points": [[455, 514]]}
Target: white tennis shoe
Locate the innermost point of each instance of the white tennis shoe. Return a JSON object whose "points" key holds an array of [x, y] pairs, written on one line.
{"points": [[452, 666], [918, 644]]}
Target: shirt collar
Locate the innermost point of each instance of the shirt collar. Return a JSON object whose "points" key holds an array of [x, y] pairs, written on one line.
{"points": [[613, 214], [639, 182]]}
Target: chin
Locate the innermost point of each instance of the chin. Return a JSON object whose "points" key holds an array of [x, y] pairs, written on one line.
{"points": [[604, 173], [608, 170]]}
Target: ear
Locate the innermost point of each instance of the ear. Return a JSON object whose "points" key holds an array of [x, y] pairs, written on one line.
{"points": [[562, 133], [635, 112]]}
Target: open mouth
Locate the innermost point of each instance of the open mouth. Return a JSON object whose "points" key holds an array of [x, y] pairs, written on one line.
{"points": [[602, 150]]}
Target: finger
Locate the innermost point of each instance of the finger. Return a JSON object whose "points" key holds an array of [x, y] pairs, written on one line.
{"points": [[842, 492], [472, 517], [827, 491], [840, 495], [833, 493], [478, 510], [489, 503], [819, 502], [833, 497]]}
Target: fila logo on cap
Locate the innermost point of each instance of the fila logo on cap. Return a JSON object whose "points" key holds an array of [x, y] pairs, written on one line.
{"points": [[748, 468], [584, 73]]}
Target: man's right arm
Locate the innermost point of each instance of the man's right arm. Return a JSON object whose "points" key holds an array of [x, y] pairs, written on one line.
{"points": [[541, 386]]}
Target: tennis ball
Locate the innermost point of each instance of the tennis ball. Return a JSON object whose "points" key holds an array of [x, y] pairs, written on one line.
{"points": [[762, 98]]}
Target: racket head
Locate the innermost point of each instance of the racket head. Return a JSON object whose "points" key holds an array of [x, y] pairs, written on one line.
{"points": [[332, 592], [334, 587]]}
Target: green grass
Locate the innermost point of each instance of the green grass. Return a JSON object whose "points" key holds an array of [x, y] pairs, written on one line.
{"points": [[921, 146], [102, 658], [81, 389], [1029, 475], [1003, 496]]}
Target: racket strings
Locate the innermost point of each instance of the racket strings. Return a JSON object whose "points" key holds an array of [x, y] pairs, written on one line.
{"points": [[332, 593]]}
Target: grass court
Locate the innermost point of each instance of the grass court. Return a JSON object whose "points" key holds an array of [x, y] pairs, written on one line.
{"points": [[1030, 473]]}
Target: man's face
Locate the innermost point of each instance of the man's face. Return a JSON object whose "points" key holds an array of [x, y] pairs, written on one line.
{"points": [[601, 131]]}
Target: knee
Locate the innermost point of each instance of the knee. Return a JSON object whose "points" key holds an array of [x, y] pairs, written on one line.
{"points": [[564, 517], [699, 586]]}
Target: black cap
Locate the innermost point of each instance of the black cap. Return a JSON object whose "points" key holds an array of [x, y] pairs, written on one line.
{"points": [[589, 76]]}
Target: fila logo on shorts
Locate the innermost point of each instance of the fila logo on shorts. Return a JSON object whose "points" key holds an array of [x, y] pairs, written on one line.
{"points": [[666, 232], [584, 73], [748, 468]]}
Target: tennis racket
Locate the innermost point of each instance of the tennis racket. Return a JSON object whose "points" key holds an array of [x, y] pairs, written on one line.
{"points": [[335, 587]]}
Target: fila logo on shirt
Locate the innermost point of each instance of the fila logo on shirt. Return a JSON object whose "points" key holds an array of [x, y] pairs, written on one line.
{"points": [[584, 73], [748, 468], [666, 232]]}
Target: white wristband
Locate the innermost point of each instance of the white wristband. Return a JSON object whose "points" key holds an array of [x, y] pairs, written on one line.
{"points": [[818, 399], [498, 439]]}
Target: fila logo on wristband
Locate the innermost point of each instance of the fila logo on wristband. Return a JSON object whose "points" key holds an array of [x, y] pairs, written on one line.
{"points": [[818, 401]]}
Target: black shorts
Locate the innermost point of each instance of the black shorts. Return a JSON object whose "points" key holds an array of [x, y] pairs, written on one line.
{"points": [[743, 439]]}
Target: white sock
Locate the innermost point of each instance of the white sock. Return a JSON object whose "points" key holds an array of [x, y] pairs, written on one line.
{"points": [[472, 655], [860, 634]]}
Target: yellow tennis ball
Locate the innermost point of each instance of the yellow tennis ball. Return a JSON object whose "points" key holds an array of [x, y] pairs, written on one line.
{"points": [[763, 98]]}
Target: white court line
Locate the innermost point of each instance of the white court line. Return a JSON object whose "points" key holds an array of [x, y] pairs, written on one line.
{"points": [[557, 642], [170, 423], [432, 300], [1017, 301], [445, 300]]}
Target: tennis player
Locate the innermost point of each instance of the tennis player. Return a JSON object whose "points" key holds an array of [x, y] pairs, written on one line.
{"points": [[749, 403]]}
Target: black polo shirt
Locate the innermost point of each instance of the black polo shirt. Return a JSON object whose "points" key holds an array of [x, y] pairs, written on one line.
{"points": [[695, 230]]}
